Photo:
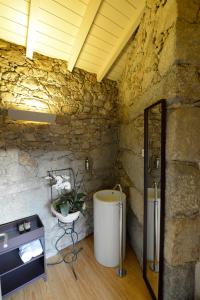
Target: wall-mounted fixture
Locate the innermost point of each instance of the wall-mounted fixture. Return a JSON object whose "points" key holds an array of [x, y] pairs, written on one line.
{"points": [[31, 116], [87, 164]]}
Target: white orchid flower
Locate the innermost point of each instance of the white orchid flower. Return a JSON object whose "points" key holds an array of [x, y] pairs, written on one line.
{"points": [[58, 183], [65, 185], [48, 177]]}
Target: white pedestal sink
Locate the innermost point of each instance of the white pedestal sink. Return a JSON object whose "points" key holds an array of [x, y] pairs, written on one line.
{"points": [[106, 226]]}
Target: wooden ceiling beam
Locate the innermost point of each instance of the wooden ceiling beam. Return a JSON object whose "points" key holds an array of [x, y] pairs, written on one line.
{"points": [[88, 19], [122, 41], [32, 24]]}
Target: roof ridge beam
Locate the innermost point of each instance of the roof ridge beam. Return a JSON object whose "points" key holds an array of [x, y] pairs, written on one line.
{"points": [[86, 24], [32, 25]]}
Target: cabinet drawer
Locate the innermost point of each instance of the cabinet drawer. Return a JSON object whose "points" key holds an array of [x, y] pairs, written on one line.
{"points": [[22, 276]]}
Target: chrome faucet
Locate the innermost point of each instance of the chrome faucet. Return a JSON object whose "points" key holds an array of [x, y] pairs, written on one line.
{"points": [[5, 242], [118, 186]]}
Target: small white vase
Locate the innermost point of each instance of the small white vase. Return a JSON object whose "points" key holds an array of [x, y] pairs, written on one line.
{"points": [[65, 219]]}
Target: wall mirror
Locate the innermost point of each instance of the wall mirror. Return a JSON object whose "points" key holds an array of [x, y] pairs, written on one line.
{"points": [[154, 196]]}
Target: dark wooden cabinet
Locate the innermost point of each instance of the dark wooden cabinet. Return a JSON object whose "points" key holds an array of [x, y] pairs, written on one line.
{"points": [[15, 274]]}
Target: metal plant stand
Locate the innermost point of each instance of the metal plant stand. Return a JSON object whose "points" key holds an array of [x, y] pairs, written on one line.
{"points": [[71, 256], [68, 228]]}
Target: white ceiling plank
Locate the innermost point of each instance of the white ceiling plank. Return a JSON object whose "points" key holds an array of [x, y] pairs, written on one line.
{"points": [[13, 27], [61, 11], [32, 23], [123, 6], [75, 5], [11, 14], [12, 36], [55, 33], [51, 41], [52, 20], [114, 15], [101, 34], [133, 24], [50, 51], [21, 7], [86, 24], [89, 67]]}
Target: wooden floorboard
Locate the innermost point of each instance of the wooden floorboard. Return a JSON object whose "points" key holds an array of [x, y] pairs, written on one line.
{"points": [[95, 282]]}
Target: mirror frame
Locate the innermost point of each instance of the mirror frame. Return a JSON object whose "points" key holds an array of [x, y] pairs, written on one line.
{"points": [[162, 102]]}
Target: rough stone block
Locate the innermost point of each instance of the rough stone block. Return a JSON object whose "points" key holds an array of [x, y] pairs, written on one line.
{"points": [[30, 83], [135, 234], [178, 282], [182, 189], [167, 55], [182, 240], [183, 133], [7, 98], [14, 56], [51, 160], [136, 201], [103, 157], [4, 45], [24, 70], [43, 64], [27, 161], [56, 78], [10, 76], [187, 84], [187, 39], [197, 281], [131, 135], [188, 10], [42, 75], [56, 91], [166, 16], [40, 94], [134, 167]]}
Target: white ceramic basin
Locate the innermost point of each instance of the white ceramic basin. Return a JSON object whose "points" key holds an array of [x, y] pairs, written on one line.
{"points": [[109, 196]]}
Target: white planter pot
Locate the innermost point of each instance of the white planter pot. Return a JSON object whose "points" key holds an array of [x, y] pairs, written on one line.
{"points": [[65, 219]]}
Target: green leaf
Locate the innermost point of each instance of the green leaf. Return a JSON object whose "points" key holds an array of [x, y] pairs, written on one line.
{"points": [[80, 196], [70, 202], [64, 209]]}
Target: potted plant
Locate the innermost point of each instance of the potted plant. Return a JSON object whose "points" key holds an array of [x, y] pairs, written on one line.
{"points": [[68, 206], [70, 202]]}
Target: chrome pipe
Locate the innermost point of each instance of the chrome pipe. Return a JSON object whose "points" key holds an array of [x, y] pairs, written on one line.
{"points": [[121, 272], [155, 265]]}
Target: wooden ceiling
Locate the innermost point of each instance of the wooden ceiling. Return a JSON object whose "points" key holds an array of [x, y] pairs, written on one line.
{"points": [[88, 34]]}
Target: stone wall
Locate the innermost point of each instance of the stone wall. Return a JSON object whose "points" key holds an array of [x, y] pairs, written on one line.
{"points": [[149, 70], [163, 63], [86, 126]]}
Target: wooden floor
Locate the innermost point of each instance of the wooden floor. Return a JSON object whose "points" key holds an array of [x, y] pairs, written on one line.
{"points": [[153, 278], [95, 282]]}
